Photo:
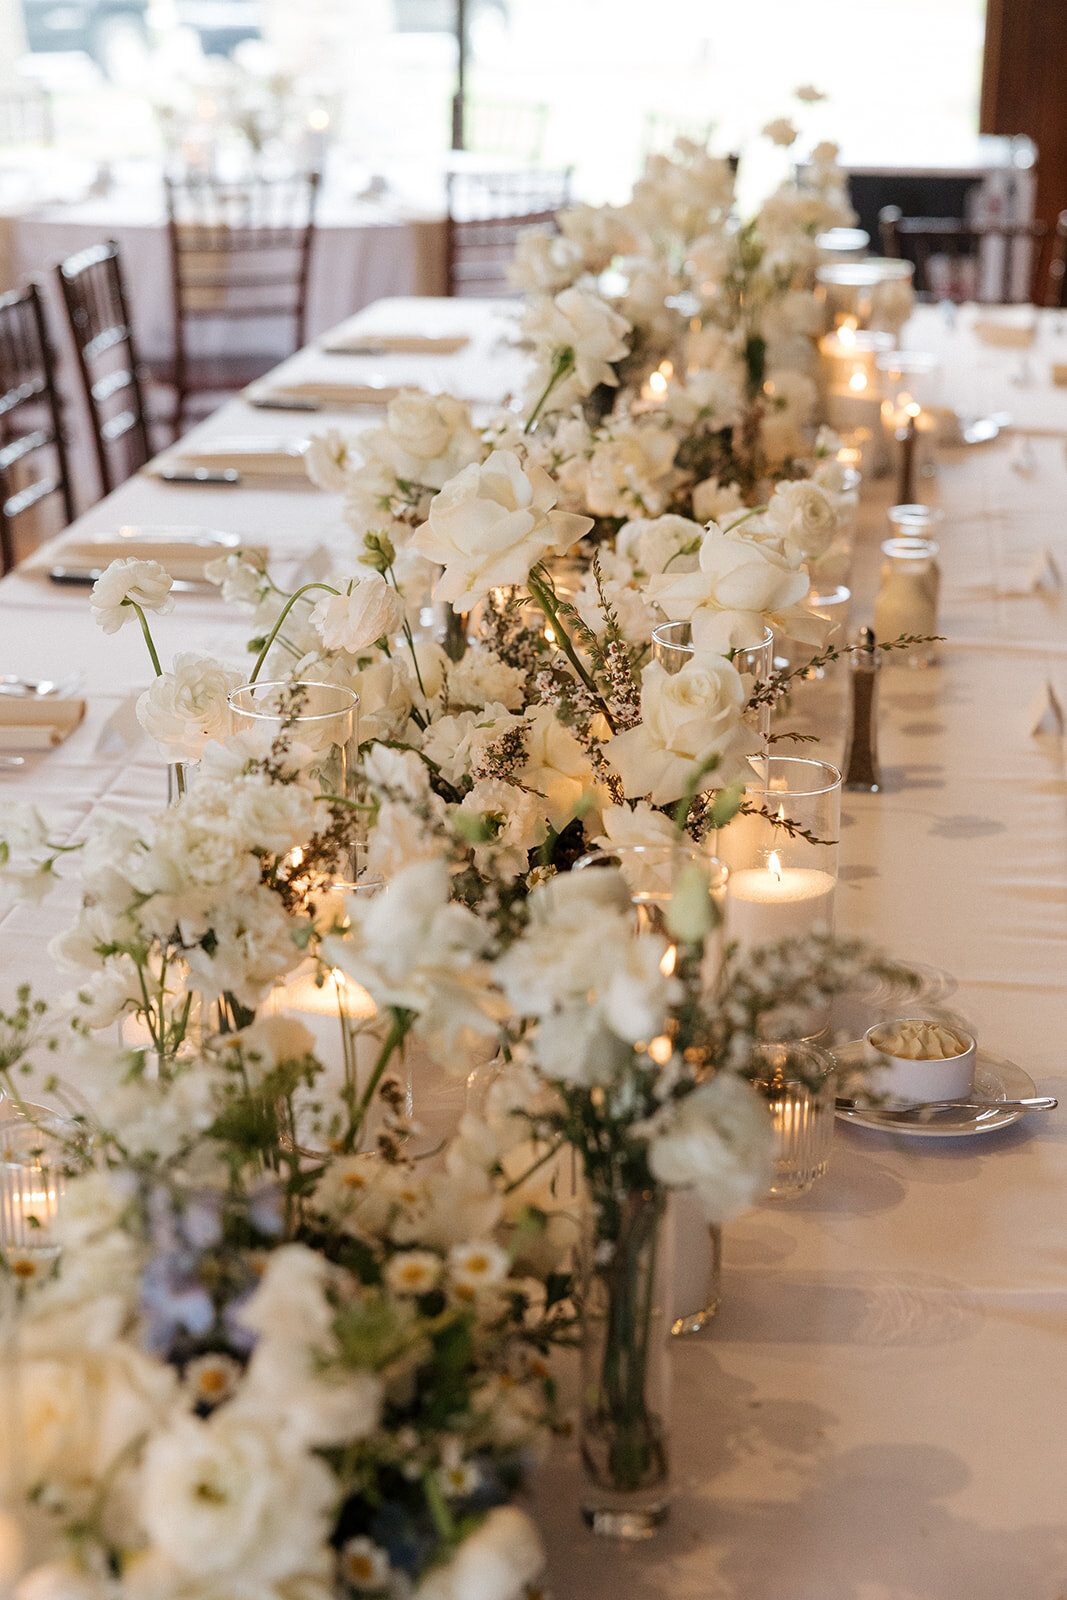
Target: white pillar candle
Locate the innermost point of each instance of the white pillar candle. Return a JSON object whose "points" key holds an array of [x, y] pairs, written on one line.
{"points": [[766, 904]]}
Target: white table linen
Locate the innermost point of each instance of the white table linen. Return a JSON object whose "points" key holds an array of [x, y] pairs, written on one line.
{"points": [[877, 1411]]}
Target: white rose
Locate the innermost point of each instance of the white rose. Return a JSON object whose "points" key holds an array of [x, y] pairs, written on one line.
{"points": [[656, 543], [186, 707], [718, 1140], [126, 583], [740, 587], [687, 718], [490, 524], [802, 515], [230, 1495], [496, 1562]]}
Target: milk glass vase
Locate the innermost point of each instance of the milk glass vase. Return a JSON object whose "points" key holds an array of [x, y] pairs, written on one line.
{"points": [[625, 1364]]}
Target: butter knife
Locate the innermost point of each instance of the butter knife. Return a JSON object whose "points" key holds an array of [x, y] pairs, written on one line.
{"points": [[1040, 1102]]}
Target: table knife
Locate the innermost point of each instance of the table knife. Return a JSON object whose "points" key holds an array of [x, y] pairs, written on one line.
{"points": [[1040, 1102], [85, 577], [211, 475], [281, 402]]}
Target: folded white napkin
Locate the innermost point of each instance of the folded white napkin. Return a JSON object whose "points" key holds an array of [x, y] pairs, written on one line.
{"points": [[252, 456], [340, 396], [37, 722], [183, 559], [1013, 326], [1046, 713], [394, 344]]}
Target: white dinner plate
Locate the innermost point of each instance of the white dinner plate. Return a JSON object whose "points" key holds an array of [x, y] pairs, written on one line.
{"points": [[995, 1078]]}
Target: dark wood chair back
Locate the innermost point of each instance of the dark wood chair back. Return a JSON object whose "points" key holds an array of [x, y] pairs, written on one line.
{"points": [[486, 213], [1056, 283], [958, 261], [33, 457], [238, 251], [95, 299]]}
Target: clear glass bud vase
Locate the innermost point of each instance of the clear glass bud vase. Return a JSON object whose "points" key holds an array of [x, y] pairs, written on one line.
{"points": [[626, 1366]]}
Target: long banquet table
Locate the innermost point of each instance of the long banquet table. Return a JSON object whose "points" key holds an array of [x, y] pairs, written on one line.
{"points": [[877, 1411]]}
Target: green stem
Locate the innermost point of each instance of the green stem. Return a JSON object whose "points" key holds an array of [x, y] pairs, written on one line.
{"points": [[442, 1517], [562, 367], [541, 589], [143, 620], [288, 606], [397, 1032]]}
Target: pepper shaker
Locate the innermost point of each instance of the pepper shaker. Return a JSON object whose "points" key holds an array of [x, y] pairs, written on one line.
{"points": [[860, 761]]}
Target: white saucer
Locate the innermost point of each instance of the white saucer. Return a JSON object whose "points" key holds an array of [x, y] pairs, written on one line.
{"points": [[995, 1078]]}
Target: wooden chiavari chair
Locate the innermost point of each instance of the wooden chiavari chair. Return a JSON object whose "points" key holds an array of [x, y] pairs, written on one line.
{"points": [[960, 261], [486, 213], [33, 457]]}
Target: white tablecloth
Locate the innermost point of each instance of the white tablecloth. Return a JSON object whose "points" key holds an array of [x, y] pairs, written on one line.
{"points": [[877, 1412]]}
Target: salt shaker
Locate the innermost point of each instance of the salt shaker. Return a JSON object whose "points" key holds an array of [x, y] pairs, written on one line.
{"points": [[908, 595], [860, 761]]}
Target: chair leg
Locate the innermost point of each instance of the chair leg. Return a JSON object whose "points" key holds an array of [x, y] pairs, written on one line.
{"points": [[7, 546]]}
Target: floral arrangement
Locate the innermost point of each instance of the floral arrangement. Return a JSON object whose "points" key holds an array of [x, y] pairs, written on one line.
{"points": [[271, 1347]]}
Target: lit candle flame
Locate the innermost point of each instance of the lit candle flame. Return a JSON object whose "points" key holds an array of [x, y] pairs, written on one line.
{"points": [[669, 960], [858, 382], [774, 864], [847, 335], [657, 383], [661, 1049]]}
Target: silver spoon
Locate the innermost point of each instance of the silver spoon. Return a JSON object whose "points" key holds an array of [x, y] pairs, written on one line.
{"points": [[11, 761]]}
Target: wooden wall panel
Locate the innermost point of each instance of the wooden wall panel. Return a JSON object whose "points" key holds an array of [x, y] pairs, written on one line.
{"points": [[1024, 88]]}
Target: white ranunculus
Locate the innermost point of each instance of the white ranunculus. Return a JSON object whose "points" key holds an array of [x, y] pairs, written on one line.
{"points": [[740, 587], [718, 1140], [491, 524], [632, 469], [328, 460], [711, 398], [802, 515], [125, 583], [496, 1562], [479, 676], [370, 610], [687, 718], [242, 582], [186, 707], [231, 1495]]}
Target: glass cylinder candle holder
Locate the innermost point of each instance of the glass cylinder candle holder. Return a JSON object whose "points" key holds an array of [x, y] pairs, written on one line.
{"points": [[908, 593], [31, 1194], [673, 648], [874, 293], [782, 853], [842, 244], [849, 375], [799, 1083], [915, 521], [323, 718], [911, 379]]}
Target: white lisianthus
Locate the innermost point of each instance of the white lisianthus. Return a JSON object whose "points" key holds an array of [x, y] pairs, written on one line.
{"points": [[491, 524], [718, 1140], [579, 322], [496, 1562], [126, 583], [513, 819], [369, 610], [688, 718], [329, 459], [231, 1496], [781, 131], [186, 707], [802, 515], [741, 586]]}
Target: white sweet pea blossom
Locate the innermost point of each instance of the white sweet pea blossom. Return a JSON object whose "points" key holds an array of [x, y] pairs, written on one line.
{"points": [[187, 707], [328, 460], [368, 610], [687, 719], [580, 326], [125, 583], [740, 586], [544, 262], [719, 1141], [490, 524]]}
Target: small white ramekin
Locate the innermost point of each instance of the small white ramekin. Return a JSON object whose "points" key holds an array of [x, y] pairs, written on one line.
{"points": [[900, 1078]]}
